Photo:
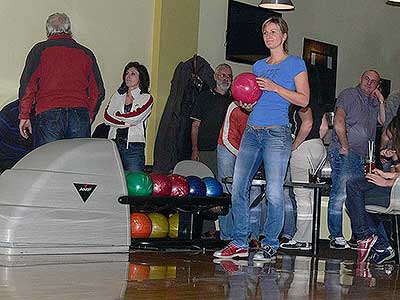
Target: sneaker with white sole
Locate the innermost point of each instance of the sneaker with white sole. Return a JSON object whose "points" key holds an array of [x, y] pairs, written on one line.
{"points": [[365, 246], [295, 245], [231, 251], [380, 256], [338, 243], [266, 253]]}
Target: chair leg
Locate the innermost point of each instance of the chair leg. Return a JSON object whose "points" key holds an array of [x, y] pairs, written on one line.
{"points": [[397, 237]]}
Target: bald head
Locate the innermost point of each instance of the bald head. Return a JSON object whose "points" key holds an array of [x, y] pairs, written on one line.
{"points": [[369, 81]]}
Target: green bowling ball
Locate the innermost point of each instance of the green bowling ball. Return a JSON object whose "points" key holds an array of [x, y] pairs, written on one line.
{"points": [[139, 184]]}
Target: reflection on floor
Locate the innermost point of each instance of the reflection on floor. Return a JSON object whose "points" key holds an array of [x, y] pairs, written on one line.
{"points": [[199, 276], [190, 275]]}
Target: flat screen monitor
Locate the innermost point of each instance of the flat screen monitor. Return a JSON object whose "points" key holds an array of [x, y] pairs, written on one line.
{"points": [[244, 41]]}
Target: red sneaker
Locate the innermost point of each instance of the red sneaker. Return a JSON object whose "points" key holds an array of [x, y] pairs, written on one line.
{"points": [[364, 247], [231, 265], [231, 251]]}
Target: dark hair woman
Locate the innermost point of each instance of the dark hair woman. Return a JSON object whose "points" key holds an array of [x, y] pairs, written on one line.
{"points": [[127, 114]]}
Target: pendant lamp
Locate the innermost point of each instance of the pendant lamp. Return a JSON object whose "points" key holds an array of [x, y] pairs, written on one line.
{"points": [[277, 4], [393, 2]]}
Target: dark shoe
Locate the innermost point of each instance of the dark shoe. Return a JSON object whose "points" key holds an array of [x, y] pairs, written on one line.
{"points": [[338, 243], [284, 240], [352, 243], [231, 251], [364, 247], [380, 256], [294, 245], [266, 253]]}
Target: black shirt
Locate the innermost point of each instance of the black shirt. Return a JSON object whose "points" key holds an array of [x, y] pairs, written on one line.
{"points": [[210, 108], [317, 115]]}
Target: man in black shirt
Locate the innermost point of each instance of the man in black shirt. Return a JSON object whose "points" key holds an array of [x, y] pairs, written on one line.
{"points": [[208, 115]]}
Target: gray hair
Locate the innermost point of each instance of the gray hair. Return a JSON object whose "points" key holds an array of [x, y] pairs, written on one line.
{"points": [[58, 23], [223, 65]]}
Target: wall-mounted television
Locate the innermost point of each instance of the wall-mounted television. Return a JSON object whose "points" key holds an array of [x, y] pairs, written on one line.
{"points": [[244, 42]]}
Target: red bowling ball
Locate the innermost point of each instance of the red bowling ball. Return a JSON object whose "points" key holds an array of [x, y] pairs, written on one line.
{"points": [[161, 184], [245, 88], [180, 185]]}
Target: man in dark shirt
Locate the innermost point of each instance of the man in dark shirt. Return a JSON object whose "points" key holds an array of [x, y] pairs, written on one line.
{"points": [[61, 84], [208, 115]]}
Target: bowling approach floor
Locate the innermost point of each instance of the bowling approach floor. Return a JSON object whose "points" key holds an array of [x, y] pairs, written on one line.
{"points": [[193, 275]]}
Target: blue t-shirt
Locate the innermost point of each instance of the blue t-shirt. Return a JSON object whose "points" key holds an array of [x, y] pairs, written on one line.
{"points": [[272, 109]]}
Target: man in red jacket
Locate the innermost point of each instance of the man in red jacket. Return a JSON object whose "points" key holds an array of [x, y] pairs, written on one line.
{"points": [[61, 84]]}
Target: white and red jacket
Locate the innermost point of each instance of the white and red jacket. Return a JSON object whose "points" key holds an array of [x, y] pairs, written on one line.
{"points": [[135, 120], [233, 128]]}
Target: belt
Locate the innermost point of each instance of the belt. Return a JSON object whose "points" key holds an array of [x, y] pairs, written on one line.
{"points": [[263, 127]]}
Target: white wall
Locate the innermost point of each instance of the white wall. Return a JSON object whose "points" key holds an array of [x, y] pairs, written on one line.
{"points": [[366, 32], [116, 31]]}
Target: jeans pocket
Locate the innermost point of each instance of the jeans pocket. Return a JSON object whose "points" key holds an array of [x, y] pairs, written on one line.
{"points": [[48, 119]]}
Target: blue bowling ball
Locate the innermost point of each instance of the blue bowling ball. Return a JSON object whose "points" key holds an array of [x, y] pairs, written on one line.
{"points": [[197, 187], [213, 187]]}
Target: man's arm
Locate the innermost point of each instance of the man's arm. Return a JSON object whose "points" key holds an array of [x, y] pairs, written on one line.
{"points": [[339, 124], [194, 135], [323, 129], [96, 89], [379, 97], [305, 115]]}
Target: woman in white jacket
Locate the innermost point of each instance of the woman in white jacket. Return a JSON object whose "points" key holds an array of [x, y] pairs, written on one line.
{"points": [[127, 115]]}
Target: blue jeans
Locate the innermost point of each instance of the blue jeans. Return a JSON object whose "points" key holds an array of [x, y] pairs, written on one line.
{"points": [[343, 167], [271, 145], [359, 193], [61, 123], [133, 156], [226, 164]]}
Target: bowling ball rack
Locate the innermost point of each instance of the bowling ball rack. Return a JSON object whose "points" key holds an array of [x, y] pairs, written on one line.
{"points": [[192, 212]]}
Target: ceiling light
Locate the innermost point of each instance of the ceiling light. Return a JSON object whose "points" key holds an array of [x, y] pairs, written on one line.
{"points": [[277, 4]]}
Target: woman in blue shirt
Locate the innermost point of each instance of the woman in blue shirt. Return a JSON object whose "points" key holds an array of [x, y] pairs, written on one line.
{"points": [[283, 79]]}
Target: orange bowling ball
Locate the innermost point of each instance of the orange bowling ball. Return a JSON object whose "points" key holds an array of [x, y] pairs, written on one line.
{"points": [[140, 226]]}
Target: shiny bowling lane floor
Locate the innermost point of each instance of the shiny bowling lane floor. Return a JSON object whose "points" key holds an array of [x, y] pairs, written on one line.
{"points": [[190, 275], [196, 276]]}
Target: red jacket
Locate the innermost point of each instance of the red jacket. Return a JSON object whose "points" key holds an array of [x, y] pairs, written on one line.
{"points": [[233, 128], [60, 73]]}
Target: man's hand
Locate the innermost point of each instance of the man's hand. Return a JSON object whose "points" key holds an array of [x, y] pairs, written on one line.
{"points": [[25, 128], [378, 95], [195, 155], [247, 106], [344, 151]]}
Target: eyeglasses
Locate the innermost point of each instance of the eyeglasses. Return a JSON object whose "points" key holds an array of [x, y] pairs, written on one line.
{"points": [[371, 80], [224, 76]]}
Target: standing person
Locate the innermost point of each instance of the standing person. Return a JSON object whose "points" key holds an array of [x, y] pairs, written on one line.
{"points": [[229, 139], [207, 115], [283, 79], [62, 81], [357, 111], [127, 114], [309, 126]]}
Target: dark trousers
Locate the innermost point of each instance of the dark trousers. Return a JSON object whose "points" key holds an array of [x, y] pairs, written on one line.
{"points": [[359, 193], [61, 123]]}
